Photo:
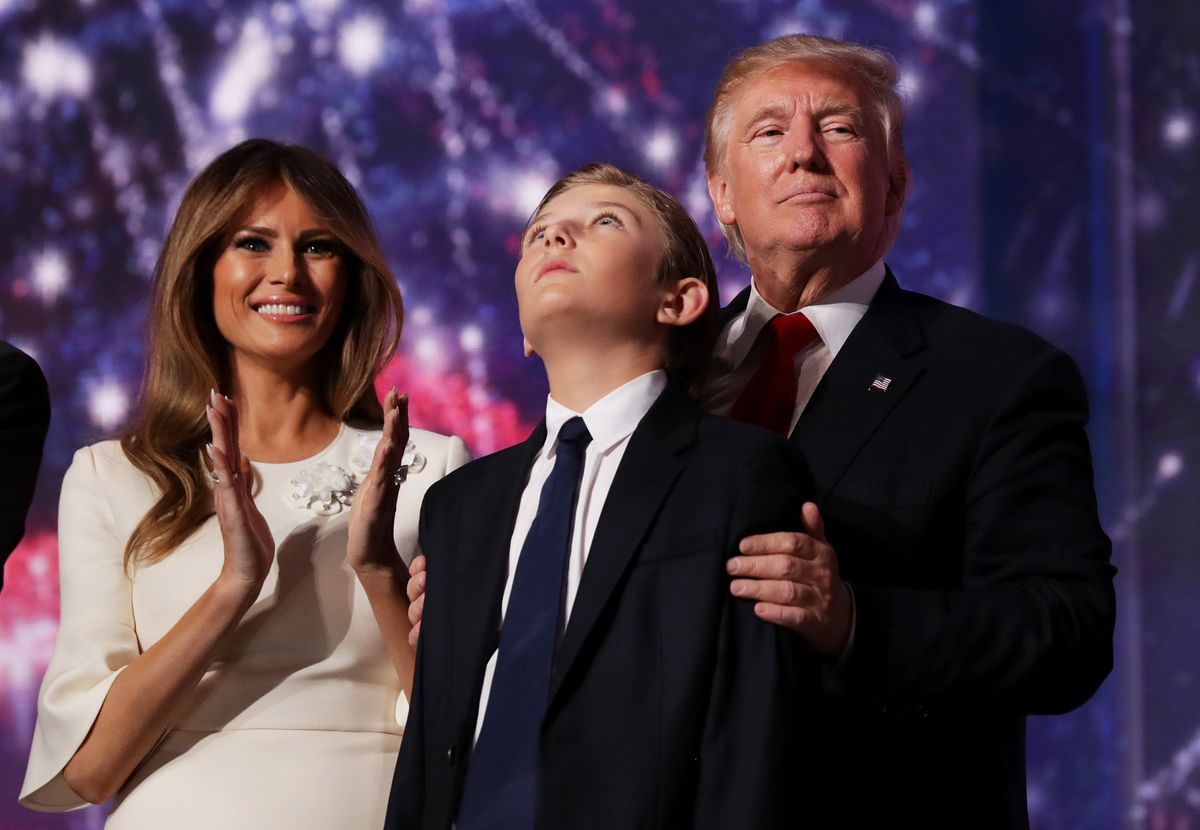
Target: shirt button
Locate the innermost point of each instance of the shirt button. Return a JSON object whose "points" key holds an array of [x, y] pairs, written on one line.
{"points": [[450, 756]]}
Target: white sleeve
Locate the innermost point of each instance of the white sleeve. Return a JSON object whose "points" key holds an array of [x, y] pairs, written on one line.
{"points": [[96, 637]]}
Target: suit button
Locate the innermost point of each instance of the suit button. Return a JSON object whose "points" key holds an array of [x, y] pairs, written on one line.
{"points": [[450, 756]]}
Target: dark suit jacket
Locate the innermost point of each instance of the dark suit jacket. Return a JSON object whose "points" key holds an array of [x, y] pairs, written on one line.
{"points": [[671, 704], [24, 419], [961, 506]]}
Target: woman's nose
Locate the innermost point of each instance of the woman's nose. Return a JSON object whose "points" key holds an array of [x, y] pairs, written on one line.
{"points": [[284, 268]]}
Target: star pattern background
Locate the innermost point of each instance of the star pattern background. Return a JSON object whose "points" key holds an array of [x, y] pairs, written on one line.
{"points": [[1053, 147]]}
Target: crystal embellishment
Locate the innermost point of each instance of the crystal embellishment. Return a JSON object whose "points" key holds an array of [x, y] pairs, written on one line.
{"points": [[326, 489], [323, 488]]}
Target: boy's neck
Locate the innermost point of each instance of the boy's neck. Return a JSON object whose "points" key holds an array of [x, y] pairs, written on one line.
{"points": [[578, 380]]}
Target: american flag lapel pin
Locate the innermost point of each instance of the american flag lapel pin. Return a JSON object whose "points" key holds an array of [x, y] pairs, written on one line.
{"points": [[881, 383]]}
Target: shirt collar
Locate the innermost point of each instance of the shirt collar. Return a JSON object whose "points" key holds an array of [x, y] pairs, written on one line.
{"points": [[612, 418], [833, 316]]}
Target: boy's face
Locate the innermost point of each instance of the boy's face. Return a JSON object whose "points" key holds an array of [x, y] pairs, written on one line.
{"points": [[589, 261]]}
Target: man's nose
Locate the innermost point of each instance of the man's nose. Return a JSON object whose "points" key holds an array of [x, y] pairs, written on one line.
{"points": [[804, 150]]}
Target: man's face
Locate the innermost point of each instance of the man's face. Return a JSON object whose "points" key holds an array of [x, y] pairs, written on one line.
{"points": [[805, 167], [588, 263]]}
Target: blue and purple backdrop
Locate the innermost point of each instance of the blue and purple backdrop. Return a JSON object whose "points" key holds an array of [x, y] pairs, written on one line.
{"points": [[1055, 153]]}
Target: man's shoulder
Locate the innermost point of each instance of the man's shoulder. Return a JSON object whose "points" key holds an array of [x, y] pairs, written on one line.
{"points": [[24, 396], [962, 335]]}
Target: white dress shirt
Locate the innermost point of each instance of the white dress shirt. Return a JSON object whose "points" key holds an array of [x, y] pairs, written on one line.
{"points": [[611, 421], [738, 352]]}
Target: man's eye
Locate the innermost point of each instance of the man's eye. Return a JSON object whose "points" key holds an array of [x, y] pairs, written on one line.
{"points": [[769, 132]]}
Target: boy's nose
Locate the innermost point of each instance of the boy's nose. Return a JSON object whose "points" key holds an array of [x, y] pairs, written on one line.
{"points": [[557, 235]]}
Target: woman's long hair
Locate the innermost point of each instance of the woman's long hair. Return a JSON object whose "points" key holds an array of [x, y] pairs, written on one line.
{"points": [[186, 355]]}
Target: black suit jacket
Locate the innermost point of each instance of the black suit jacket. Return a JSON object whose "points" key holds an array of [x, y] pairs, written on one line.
{"points": [[961, 505], [24, 419], [671, 704]]}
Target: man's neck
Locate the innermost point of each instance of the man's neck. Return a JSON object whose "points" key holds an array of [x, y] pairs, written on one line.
{"points": [[791, 282]]}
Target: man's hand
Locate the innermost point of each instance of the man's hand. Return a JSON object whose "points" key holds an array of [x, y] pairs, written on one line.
{"points": [[793, 580], [416, 597]]}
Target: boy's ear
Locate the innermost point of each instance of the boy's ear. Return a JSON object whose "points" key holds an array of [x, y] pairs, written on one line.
{"points": [[684, 302], [529, 352]]}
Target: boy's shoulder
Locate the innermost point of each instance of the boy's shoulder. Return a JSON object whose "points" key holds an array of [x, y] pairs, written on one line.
{"points": [[480, 479], [720, 436]]}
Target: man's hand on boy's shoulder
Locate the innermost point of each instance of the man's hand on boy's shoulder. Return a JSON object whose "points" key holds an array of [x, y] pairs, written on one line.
{"points": [[793, 580], [791, 577]]}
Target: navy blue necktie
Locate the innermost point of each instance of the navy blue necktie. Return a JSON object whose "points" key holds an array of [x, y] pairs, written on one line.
{"points": [[500, 792]]}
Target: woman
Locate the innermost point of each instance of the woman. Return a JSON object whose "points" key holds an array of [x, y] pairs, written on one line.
{"points": [[227, 568]]}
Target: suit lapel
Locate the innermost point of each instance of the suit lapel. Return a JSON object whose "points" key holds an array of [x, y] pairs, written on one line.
{"points": [[652, 462], [481, 569], [847, 407], [736, 307]]}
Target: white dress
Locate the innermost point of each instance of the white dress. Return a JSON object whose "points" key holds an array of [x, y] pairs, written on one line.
{"points": [[298, 722]]}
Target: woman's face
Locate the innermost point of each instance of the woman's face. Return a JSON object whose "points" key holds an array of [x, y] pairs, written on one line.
{"points": [[278, 286]]}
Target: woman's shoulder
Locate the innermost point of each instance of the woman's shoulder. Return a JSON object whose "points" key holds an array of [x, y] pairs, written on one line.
{"points": [[106, 466], [103, 459], [442, 453]]}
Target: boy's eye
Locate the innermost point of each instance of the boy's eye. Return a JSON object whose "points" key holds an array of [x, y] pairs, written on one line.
{"points": [[535, 233], [254, 244], [607, 219]]}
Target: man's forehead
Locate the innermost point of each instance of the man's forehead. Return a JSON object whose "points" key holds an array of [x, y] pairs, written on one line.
{"points": [[818, 85]]}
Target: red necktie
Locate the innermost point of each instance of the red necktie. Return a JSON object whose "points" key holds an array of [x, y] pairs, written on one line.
{"points": [[769, 397]]}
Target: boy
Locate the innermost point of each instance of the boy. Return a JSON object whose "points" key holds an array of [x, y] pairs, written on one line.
{"points": [[633, 692]]}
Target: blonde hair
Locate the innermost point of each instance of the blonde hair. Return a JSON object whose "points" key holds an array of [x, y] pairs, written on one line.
{"points": [[186, 355], [689, 349], [874, 69]]}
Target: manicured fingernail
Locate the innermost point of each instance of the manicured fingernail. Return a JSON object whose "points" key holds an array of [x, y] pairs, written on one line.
{"points": [[212, 396], [208, 448]]}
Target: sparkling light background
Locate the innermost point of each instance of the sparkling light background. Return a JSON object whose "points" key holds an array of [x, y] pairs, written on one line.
{"points": [[1054, 156]]}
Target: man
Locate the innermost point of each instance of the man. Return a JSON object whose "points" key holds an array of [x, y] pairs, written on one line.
{"points": [[952, 569], [24, 419]]}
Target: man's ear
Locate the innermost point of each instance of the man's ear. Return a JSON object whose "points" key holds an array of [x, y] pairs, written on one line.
{"points": [[529, 352], [898, 184], [684, 302], [718, 192]]}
